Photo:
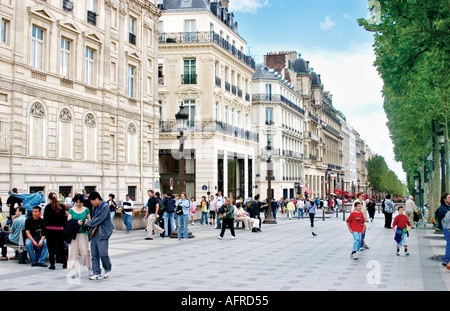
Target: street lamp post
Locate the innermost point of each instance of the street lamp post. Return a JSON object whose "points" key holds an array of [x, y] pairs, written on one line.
{"points": [[182, 120], [269, 217], [182, 124]]}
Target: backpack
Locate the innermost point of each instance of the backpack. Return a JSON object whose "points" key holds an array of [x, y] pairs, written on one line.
{"points": [[446, 221], [170, 207], [249, 205], [437, 220], [161, 209]]}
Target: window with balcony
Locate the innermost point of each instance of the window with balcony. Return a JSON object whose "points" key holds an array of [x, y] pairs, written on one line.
{"points": [[189, 76], [190, 108], [91, 15], [269, 116], [68, 6]]}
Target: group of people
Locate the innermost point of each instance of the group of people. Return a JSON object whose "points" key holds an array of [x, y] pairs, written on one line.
{"points": [[63, 233], [401, 225], [80, 229]]}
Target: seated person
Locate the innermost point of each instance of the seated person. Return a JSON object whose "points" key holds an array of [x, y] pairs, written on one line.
{"points": [[36, 243], [241, 215], [12, 236]]}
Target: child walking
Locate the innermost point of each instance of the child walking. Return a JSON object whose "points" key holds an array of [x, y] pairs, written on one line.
{"points": [[356, 226], [401, 232]]}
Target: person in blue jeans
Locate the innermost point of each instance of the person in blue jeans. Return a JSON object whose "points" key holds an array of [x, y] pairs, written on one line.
{"points": [[205, 207], [36, 244], [183, 218], [169, 214], [442, 213], [127, 212]]}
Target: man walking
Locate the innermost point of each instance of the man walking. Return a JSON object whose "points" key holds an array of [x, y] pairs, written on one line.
{"points": [[103, 225], [151, 215]]}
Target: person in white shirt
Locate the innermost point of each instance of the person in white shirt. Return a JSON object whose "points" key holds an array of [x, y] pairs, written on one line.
{"points": [[127, 212], [218, 202], [212, 211], [68, 201], [241, 215], [300, 207]]}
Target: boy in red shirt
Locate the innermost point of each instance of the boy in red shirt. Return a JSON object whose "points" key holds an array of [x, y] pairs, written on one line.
{"points": [[356, 226], [401, 233]]}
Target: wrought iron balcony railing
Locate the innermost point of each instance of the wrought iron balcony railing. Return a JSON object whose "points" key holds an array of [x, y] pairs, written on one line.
{"points": [[206, 36]]}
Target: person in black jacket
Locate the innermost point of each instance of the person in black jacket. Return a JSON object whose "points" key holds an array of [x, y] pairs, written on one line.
{"points": [[55, 220], [255, 212]]}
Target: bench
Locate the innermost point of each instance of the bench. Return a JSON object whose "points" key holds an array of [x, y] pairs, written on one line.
{"points": [[21, 248]]}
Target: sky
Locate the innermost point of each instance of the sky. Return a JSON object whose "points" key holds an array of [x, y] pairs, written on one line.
{"points": [[326, 33]]}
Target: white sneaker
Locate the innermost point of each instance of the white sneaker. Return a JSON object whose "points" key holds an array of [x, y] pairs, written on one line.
{"points": [[106, 274], [233, 237], [219, 237], [95, 277]]}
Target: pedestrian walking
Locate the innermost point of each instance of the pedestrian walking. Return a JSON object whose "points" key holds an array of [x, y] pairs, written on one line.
{"points": [[218, 202], [55, 220], [169, 213], [204, 207], [360, 199], [79, 247], [356, 226], [112, 206], [410, 209], [212, 210], [127, 212], [443, 211], [388, 211], [183, 205], [371, 207], [290, 208], [256, 212], [152, 215], [192, 210], [300, 207], [226, 212], [401, 226], [311, 208], [102, 229]]}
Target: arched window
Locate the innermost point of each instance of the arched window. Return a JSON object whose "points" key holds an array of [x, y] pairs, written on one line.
{"points": [[90, 137], [38, 130], [65, 125], [132, 139]]}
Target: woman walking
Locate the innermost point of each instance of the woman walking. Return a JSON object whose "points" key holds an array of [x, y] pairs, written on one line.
{"points": [[227, 214], [55, 220], [80, 245]]}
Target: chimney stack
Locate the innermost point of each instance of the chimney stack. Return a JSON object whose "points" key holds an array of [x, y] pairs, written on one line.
{"points": [[225, 3]]}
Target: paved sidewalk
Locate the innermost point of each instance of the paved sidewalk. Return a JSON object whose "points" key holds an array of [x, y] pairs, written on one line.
{"points": [[283, 257]]}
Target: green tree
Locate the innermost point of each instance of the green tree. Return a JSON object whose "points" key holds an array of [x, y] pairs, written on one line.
{"points": [[412, 56]]}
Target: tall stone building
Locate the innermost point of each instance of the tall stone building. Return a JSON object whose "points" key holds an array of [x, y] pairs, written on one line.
{"points": [[279, 119], [203, 66], [322, 127], [78, 89]]}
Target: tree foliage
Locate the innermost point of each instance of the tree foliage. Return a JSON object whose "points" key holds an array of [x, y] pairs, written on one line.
{"points": [[382, 179], [412, 47]]}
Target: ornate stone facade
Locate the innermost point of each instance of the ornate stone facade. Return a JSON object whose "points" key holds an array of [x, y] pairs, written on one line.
{"points": [[78, 105]]}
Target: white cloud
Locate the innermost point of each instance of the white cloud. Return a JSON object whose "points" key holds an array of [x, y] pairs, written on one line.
{"points": [[356, 88], [327, 24], [247, 5]]}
